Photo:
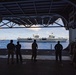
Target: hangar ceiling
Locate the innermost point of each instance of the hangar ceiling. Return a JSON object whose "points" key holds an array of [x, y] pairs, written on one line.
{"points": [[34, 12]]}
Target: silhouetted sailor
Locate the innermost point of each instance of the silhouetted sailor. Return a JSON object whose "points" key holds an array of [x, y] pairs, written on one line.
{"points": [[34, 50], [18, 53], [11, 49], [58, 51]]}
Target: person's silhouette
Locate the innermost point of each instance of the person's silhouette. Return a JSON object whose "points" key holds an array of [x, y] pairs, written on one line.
{"points": [[58, 51], [11, 49], [34, 50], [18, 52]]}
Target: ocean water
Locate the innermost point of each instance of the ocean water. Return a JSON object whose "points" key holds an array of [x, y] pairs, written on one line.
{"points": [[27, 45]]}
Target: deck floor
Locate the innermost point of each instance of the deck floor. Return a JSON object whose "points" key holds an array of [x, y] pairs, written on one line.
{"points": [[45, 65], [41, 67]]}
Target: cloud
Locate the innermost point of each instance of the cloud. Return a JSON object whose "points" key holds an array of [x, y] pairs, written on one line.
{"points": [[35, 29]]}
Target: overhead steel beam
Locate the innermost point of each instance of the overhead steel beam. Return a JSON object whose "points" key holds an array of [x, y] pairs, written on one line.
{"points": [[36, 21], [30, 21], [8, 25], [33, 27], [7, 9], [35, 8], [4, 24], [50, 6], [49, 20], [24, 21], [71, 3], [58, 24], [20, 8]]}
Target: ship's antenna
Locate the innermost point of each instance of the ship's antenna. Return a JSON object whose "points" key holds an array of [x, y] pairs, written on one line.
{"points": [[52, 33]]}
